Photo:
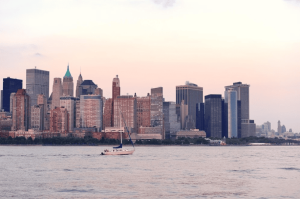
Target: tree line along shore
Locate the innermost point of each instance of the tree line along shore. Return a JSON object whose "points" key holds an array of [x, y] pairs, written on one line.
{"points": [[89, 141]]}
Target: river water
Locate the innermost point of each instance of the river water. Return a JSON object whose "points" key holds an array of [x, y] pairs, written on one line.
{"points": [[151, 172]]}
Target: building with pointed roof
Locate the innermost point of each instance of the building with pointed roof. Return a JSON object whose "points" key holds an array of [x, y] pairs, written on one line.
{"points": [[79, 82], [68, 86]]}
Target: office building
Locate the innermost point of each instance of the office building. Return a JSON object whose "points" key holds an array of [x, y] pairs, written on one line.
{"points": [[21, 111], [42, 102], [213, 116], [125, 108], [79, 82], [143, 111], [91, 111], [171, 123], [200, 116], [37, 82], [68, 85], [10, 86], [37, 117], [98, 91], [279, 128], [69, 103], [59, 118], [57, 92], [156, 112], [232, 112], [87, 87], [191, 94], [108, 113], [248, 128]]}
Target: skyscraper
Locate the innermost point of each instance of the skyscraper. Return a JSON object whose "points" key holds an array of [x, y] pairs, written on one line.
{"points": [[191, 94], [125, 112], [143, 111], [69, 103], [37, 117], [68, 85], [116, 89], [91, 111], [37, 82], [57, 92], [213, 116], [10, 85], [21, 111], [87, 87], [200, 116], [79, 82], [59, 120], [42, 102], [156, 113], [279, 128], [171, 123], [232, 112]]}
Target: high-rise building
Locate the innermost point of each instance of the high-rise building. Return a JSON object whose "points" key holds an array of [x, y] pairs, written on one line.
{"points": [[108, 113], [200, 116], [10, 85], [11, 101], [232, 112], [79, 82], [59, 118], [248, 128], [116, 89], [68, 85], [279, 128], [42, 102], [91, 111], [77, 112], [21, 111], [69, 103], [37, 117], [171, 123], [143, 111], [98, 91], [37, 82], [57, 92], [242, 95], [191, 94], [283, 129], [213, 116], [125, 112], [156, 112], [87, 87]]}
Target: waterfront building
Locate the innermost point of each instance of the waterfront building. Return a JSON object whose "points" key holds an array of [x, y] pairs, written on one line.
{"points": [[79, 82], [143, 111], [59, 118], [116, 91], [42, 102], [232, 112], [37, 117], [11, 101], [171, 123], [248, 128], [37, 82], [57, 92], [77, 112], [279, 128], [283, 129], [213, 115], [21, 111], [200, 116], [69, 103], [68, 85], [91, 111], [10, 86], [87, 87], [191, 94], [125, 109], [156, 113], [108, 113]]}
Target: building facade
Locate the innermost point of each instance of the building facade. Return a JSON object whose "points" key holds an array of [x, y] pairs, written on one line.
{"points": [[37, 117], [191, 94], [10, 86], [57, 92], [156, 112], [21, 111], [232, 112], [143, 111], [79, 82], [213, 116], [37, 82], [171, 122], [87, 87], [59, 118], [69, 103], [91, 111], [200, 116], [68, 86]]}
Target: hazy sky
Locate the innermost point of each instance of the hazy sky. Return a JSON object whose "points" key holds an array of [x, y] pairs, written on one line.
{"points": [[151, 43]]}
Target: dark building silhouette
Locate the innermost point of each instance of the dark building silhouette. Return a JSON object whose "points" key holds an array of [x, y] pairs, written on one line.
{"points": [[87, 87], [10, 85], [200, 116], [213, 115]]}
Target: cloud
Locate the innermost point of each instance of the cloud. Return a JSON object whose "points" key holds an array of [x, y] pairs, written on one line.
{"points": [[38, 55], [165, 3]]}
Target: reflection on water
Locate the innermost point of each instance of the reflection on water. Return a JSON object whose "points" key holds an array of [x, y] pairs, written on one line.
{"points": [[152, 172]]}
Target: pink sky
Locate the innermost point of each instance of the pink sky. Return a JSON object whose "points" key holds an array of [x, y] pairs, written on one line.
{"points": [[150, 44]]}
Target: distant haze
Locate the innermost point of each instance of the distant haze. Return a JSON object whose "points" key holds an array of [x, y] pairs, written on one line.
{"points": [[151, 43]]}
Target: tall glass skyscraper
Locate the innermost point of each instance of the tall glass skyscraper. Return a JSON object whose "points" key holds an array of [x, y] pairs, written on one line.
{"points": [[213, 116], [37, 82], [10, 85], [231, 100]]}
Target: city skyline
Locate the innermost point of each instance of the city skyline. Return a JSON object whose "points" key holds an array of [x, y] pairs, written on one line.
{"points": [[163, 38]]}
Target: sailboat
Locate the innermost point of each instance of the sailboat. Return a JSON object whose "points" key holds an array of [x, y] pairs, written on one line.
{"points": [[119, 149]]}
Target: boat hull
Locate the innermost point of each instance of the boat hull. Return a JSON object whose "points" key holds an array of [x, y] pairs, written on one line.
{"points": [[118, 153]]}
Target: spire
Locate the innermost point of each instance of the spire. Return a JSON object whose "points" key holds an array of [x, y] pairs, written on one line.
{"points": [[68, 74]]}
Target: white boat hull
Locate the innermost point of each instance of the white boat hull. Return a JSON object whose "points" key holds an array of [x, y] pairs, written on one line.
{"points": [[118, 152]]}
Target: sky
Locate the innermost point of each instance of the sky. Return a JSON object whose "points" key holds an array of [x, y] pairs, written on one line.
{"points": [[152, 43]]}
